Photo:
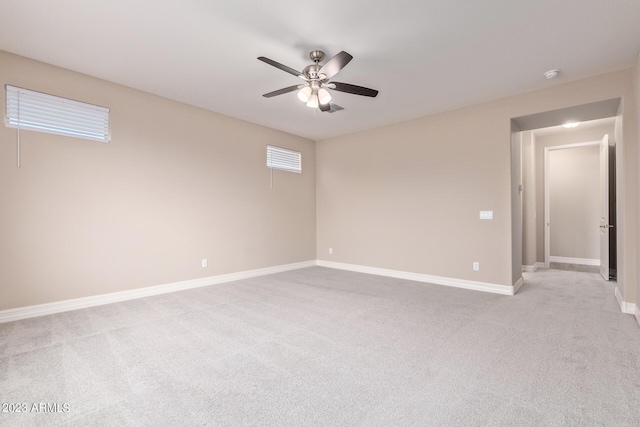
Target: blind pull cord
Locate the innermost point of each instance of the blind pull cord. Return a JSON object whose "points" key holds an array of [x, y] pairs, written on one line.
{"points": [[18, 141]]}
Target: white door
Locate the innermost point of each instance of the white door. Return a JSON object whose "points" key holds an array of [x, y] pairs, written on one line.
{"points": [[604, 207]]}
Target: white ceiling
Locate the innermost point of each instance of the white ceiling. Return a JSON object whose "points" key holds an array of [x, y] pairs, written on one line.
{"points": [[423, 56]]}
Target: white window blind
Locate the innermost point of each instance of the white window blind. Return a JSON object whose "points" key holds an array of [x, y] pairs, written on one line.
{"points": [[281, 158], [30, 110]]}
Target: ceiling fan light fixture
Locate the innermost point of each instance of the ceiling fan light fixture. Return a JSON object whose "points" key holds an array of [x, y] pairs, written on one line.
{"points": [[304, 94], [313, 101], [324, 96], [314, 92]]}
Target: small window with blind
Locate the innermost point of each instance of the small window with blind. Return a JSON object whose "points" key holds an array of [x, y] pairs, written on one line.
{"points": [[40, 112], [283, 159]]}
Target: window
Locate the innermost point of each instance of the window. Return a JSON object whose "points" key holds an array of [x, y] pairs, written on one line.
{"points": [[27, 109], [281, 158]]}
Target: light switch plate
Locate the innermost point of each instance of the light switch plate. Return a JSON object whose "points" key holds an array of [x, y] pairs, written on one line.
{"points": [[486, 214]]}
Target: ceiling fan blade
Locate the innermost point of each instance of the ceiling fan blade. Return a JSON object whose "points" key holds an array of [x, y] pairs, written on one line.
{"points": [[324, 107], [280, 66], [281, 91], [335, 64], [356, 90]]}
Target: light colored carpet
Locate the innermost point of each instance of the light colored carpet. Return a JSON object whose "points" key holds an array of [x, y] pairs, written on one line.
{"points": [[325, 347]]}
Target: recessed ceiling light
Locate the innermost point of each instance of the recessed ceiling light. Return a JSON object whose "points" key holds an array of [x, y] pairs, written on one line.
{"points": [[552, 74], [571, 125]]}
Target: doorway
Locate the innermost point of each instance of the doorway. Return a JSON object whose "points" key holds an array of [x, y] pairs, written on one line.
{"points": [[533, 133], [573, 211]]}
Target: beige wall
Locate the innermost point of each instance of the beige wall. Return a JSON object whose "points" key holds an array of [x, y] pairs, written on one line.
{"points": [[408, 196], [516, 204], [636, 81], [529, 250], [574, 202], [563, 137], [175, 185]]}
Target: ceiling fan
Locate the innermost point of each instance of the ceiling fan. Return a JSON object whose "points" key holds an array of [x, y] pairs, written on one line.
{"points": [[317, 80]]}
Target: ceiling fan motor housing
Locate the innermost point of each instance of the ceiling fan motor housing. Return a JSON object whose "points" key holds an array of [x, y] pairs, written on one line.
{"points": [[316, 55], [311, 72]]}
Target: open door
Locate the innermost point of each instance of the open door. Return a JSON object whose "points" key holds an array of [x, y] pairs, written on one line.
{"points": [[604, 208]]}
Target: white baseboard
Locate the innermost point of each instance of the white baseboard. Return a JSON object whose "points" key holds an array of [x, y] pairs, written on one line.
{"points": [[437, 280], [626, 307], [518, 285], [532, 268], [637, 314], [581, 261], [78, 303], [621, 303]]}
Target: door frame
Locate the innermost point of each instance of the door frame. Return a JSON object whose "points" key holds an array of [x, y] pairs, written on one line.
{"points": [[547, 213]]}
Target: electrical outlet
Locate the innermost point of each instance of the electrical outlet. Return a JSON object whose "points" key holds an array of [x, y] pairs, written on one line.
{"points": [[204, 263], [330, 251], [476, 266]]}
